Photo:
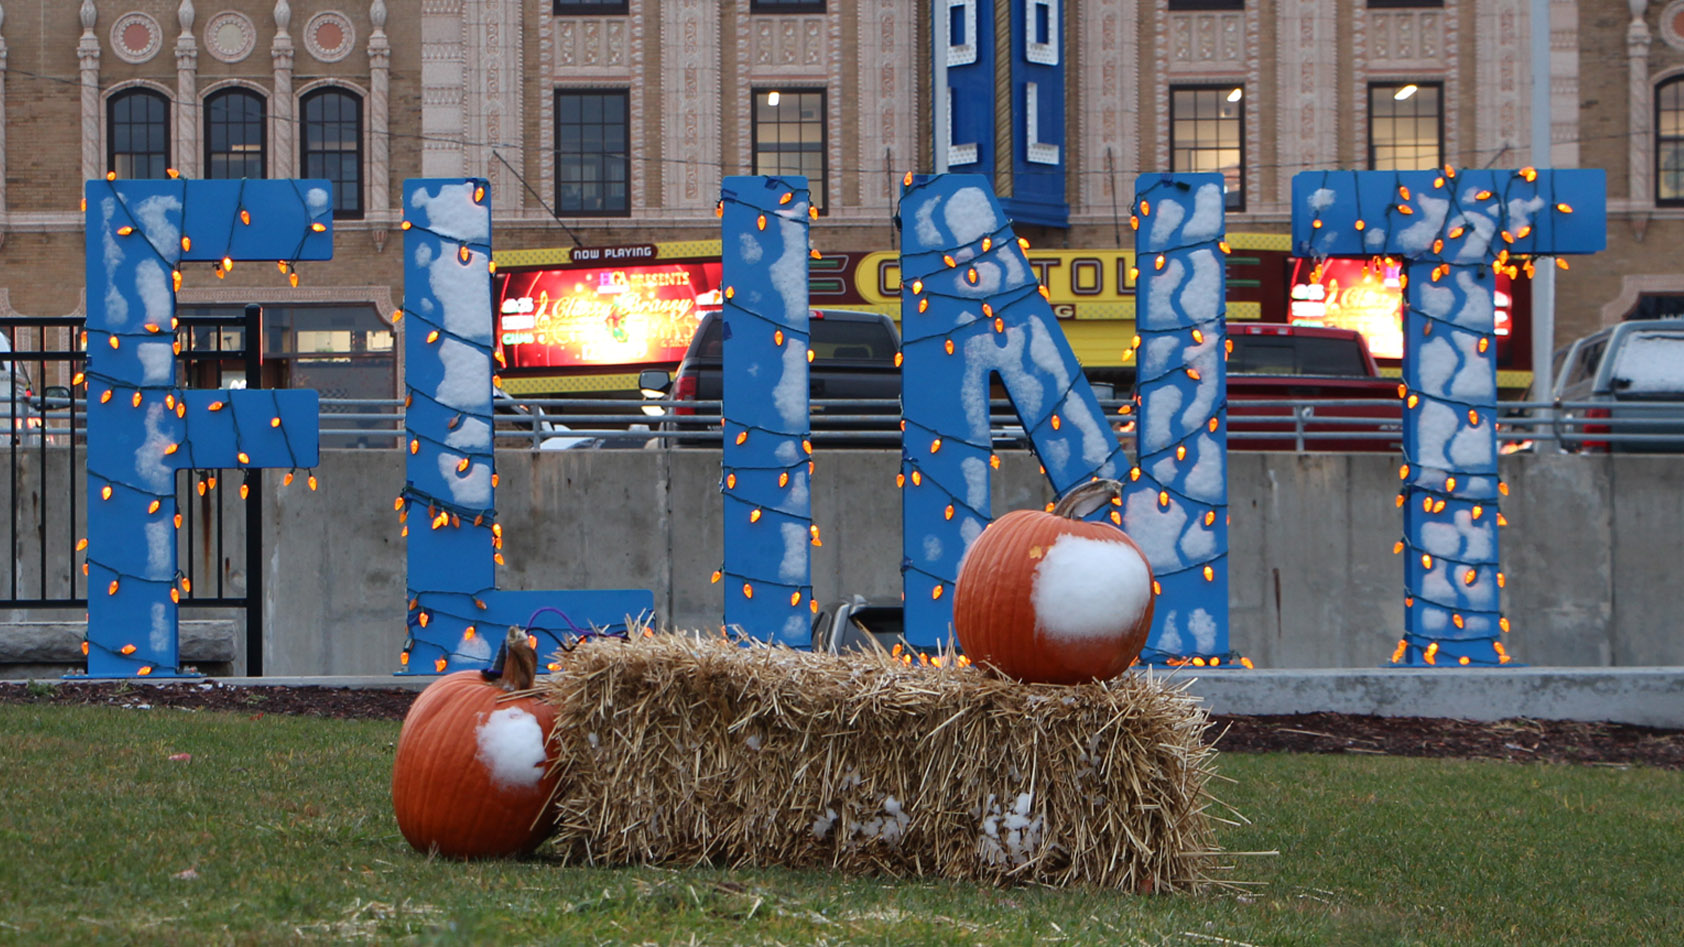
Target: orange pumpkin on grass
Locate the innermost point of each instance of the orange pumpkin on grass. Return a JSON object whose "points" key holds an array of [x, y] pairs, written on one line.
{"points": [[471, 778], [1052, 598]]}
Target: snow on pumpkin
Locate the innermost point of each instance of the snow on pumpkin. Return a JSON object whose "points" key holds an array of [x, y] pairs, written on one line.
{"points": [[511, 745]]}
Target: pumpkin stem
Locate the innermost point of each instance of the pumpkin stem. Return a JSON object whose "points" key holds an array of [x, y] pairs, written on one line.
{"points": [[516, 666], [1079, 501]]}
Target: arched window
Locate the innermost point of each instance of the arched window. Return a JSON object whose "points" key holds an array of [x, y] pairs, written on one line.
{"points": [[137, 134], [332, 146], [1669, 142], [236, 135]]}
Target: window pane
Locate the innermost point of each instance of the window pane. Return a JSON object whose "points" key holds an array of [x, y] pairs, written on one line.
{"points": [[789, 138], [1404, 133], [1669, 142], [235, 135], [138, 132], [592, 131], [1207, 135], [332, 146]]}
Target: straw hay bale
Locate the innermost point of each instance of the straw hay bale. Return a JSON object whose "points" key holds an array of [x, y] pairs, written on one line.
{"points": [[674, 750]]}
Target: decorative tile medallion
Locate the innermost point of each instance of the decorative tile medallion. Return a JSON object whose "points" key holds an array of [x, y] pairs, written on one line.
{"points": [[330, 37], [230, 36], [136, 37]]}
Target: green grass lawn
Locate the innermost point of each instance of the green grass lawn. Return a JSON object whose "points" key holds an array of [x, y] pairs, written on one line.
{"points": [[279, 829]]}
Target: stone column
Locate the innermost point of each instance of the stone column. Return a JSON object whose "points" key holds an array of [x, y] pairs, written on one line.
{"points": [[188, 160], [379, 105], [283, 107], [87, 54], [1641, 170]]}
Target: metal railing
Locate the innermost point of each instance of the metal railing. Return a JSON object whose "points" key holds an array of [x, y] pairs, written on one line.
{"points": [[1285, 424]]}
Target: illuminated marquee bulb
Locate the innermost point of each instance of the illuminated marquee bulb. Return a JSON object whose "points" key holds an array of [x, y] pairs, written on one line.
{"points": [[754, 515], [778, 337], [809, 355], [741, 437], [1134, 474], [994, 461], [432, 336], [1561, 262], [730, 481], [1427, 561], [1056, 422], [319, 227], [1457, 232], [1159, 262], [1181, 452], [987, 244], [1212, 425], [935, 445], [1397, 547], [935, 593], [105, 492], [917, 478], [760, 222], [152, 507], [1450, 484], [135, 400], [462, 253], [1145, 208], [1163, 498], [462, 465], [748, 590], [948, 513], [783, 478], [186, 243], [949, 346]]}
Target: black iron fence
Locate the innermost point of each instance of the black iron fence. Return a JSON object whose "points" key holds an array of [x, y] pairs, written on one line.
{"points": [[220, 539]]}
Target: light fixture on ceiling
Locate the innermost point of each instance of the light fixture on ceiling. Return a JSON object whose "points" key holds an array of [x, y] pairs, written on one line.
{"points": [[1406, 92], [772, 97], [1236, 95]]}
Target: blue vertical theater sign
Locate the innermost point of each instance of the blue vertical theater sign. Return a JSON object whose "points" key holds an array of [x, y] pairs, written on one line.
{"points": [[1030, 33]]}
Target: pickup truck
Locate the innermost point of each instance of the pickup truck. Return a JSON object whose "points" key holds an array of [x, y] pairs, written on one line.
{"points": [[853, 360], [1305, 364], [1622, 389]]}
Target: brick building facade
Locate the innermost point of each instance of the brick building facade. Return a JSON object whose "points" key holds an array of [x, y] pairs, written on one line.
{"points": [[612, 122]]}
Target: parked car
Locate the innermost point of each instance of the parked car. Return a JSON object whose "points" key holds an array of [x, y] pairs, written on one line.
{"points": [[1631, 376], [853, 360], [528, 427], [1273, 362], [859, 624]]}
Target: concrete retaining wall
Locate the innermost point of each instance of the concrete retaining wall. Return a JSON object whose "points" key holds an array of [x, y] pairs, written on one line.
{"points": [[1593, 553]]}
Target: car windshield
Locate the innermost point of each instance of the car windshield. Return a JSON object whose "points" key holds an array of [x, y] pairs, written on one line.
{"points": [[1294, 355], [831, 340]]}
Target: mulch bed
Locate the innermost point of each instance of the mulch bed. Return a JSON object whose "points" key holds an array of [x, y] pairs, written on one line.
{"points": [[1526, 740]]}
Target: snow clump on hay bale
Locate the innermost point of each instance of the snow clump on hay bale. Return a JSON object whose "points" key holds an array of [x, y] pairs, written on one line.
{"points": [[678, 750]]}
